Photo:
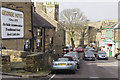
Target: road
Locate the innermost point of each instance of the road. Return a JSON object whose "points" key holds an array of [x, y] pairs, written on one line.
{"points": [[91, 70]]}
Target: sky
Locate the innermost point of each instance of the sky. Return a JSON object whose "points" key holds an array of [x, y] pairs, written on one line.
{"points": [[98, 10]]}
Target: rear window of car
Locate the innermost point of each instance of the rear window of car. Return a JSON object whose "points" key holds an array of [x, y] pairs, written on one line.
{"points": [[64, 59], [92, 50], [89, 52], [66, 47], [101, 52], [79, 47]]}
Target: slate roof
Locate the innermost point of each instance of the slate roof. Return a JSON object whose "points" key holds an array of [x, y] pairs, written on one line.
{"points": [[40, 22]]}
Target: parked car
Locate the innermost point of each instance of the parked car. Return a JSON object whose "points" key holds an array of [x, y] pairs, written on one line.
{"points": [[87, 48], [80, 49], [66, 50], [63, 63], [117, 55], [88, 55], [94, 51], [102, 55], [75, 57]]}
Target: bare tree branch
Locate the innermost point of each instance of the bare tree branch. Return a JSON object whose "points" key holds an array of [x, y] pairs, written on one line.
{"points": [[75, 21]]}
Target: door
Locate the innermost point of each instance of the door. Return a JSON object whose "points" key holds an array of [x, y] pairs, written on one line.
{"points": [[110, 51]]}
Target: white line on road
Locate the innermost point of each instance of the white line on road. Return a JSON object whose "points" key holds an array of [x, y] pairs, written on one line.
{"points": [[94, 77], [52, 76]]}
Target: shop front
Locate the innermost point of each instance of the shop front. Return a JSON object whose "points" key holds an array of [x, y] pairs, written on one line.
{"points": [[109, 47]]}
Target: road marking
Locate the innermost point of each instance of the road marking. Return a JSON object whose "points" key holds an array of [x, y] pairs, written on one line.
{"points": [[52, 76], [94, 77]]}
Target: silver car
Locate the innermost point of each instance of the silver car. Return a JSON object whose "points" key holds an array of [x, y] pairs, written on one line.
{"points": [[75, 57], [102, 55], [63, 63]]}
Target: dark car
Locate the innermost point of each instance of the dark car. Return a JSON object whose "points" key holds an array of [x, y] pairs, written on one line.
{"points": [[94, 51], [102, 55], [88, 55], [117, 55]]}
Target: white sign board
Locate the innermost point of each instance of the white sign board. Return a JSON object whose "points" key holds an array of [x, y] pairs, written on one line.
{"points": [[12, 23]]}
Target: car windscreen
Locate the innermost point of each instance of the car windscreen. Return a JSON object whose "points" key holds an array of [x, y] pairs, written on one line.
{"points": [[62, 59]]}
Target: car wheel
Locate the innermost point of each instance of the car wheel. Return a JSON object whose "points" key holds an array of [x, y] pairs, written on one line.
{"points": [[73, 71], [52, 72], [93, 59], [78, 67], [83, 59]]}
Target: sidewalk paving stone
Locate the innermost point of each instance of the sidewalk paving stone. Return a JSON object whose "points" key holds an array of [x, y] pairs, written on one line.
{"points": [[29, 75]]}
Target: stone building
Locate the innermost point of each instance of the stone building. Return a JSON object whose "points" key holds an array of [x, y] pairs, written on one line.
{"points": [[50, 12], [24, 42], [44, 34], [42, 20], [109, 40], [89, 37]]}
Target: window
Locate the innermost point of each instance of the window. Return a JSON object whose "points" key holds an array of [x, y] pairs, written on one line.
{"points": [[51, 40], [39, 32], [27, 45]]}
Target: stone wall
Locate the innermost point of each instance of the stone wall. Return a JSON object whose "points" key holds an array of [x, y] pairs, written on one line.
{"points": [[15, 56], [39, 61], [6, 66]]}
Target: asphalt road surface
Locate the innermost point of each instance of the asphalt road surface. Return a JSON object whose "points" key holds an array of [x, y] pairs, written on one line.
{"points": [[89, 70], [99, 69]]}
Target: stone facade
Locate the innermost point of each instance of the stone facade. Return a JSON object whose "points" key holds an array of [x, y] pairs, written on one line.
{"points": [[90, 33], [6, 66], [15, 55], [50, 12], [39, 61], [26, 8], [108, 39]]}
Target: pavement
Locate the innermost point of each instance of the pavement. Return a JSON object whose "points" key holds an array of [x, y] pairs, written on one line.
{"points": [[22, 75]]}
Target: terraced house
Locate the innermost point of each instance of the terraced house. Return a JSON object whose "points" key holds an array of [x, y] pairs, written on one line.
{"points": [[27, 28]]}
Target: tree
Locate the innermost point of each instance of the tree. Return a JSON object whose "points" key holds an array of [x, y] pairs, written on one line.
{"points": [[76, 22]]}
